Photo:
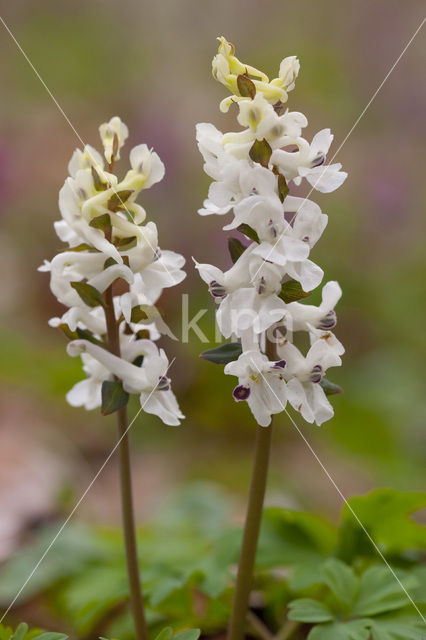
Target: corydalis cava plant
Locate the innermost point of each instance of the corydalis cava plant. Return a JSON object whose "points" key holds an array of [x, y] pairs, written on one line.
{"points": [[108, 240], [253, 170], [113, 325]]}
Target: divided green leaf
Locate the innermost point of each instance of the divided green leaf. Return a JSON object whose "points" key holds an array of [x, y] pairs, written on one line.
{"points": [[352, 630], [20, 632], [51, 635], [381, 592], [165, 634], [386, 514], [188, 634], [308, 610], [342, 581]]}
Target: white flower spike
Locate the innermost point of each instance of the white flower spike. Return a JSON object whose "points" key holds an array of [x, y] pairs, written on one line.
{"points": [[103, 226], [260, 297]]}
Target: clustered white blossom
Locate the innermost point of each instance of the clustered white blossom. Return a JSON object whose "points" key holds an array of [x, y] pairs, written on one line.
{"points": [[108, 240], [252, 170]]}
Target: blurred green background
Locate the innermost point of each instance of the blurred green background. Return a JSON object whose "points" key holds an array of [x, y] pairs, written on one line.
{"points": [[150, 63]]}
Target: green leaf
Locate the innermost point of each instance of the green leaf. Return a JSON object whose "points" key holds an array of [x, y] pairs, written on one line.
{"points": [[236, 249], [113, 396], [138, 314], [353, 630], [291, 537], [70, 555], [249, 232], [188, 634], [99, 185], [282, 187], [341, 580], [118, 199], [165, 634], [386, 515], [261, 152], [308, 610], [20, 632], [103, 223], [305, 576], [224, 353], [403, 626], [246, 87], [330, 388], [51, 635], [380, 591], [90, 296], [291, 291]]}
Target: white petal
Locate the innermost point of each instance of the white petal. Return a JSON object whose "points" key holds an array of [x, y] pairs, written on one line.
{"points": [[162, 404], [324, 179]]}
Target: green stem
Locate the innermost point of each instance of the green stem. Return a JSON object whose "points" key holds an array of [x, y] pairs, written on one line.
{"points": [[252, 524], [136, 599], [251, 533]]}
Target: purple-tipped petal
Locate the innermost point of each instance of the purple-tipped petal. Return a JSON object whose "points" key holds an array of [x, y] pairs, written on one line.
{"points": [[241, 393], [279, 365]]}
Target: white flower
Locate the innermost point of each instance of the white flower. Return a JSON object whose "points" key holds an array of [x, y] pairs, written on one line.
{"points": [[246, 293], [113, 135], [149, 380], [147, 169], [289, 70], [303, 375], [262, 122], [85, 159], [209, 140], [72, 266], [239, 180], [260, 383], [322, 317], [88, 393], [308, 162], [226, 68]]}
